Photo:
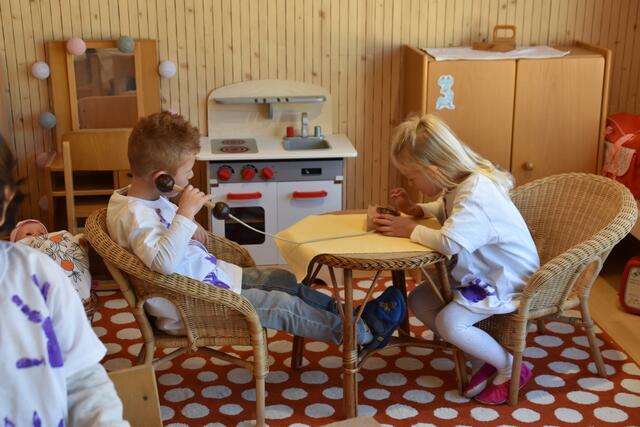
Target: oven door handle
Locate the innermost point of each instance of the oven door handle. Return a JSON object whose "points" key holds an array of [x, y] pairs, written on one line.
{"points": [[309, 194], [244, 196]]}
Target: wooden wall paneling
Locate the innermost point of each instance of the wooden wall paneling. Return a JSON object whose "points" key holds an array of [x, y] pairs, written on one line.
{"points": [[633, 88], [386, 102], [350, 47], [628, 33], [31, 128], [360, 101], [193, 57]]}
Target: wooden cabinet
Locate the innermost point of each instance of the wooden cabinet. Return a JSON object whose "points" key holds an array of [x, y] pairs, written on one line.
{"points": [[534, 117]]}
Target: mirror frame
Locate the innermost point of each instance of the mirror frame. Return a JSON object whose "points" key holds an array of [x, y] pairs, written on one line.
{"points": [[62, 85], [71, 77]]}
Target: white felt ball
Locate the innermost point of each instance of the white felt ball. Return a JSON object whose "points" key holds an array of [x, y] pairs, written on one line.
{"points": [[167, 69], [40, 70]]}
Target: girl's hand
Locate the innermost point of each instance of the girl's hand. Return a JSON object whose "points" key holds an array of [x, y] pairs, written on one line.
{"points": [[400, 198], [191, 201], [397, 226], [200, 235]]}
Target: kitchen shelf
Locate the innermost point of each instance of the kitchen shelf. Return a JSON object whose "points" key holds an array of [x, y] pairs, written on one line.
{"points": [[302, 99]]}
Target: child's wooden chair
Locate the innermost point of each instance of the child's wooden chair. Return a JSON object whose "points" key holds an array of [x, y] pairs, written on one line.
{"points": [[575, 220], [212, 316]]}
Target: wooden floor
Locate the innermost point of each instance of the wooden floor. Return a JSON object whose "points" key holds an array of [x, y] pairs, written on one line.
{"points": [[623, 327]]}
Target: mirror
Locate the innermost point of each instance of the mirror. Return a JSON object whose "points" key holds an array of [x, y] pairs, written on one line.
{"points": [[105, 81]]}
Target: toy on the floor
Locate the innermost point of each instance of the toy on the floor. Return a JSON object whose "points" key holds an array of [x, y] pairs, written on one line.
{"points": [[68, 251]]}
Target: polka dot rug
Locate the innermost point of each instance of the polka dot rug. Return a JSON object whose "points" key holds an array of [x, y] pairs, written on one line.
{"points": [[398, 387]]}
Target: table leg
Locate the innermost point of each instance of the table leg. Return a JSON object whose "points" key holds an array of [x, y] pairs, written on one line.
{"points": [[399, 282], [349, 352]]}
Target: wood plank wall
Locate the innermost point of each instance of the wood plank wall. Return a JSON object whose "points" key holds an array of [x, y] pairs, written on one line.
{"points": [[351, 47]]}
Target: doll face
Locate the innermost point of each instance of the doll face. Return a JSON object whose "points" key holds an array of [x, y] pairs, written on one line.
{"points": [[30, 230]]}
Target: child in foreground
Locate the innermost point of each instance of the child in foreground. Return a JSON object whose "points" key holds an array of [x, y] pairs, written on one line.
{"points": [[480, 224]]}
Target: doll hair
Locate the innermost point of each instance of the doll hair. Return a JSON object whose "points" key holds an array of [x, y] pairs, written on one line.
{"points": [[421, 142]]}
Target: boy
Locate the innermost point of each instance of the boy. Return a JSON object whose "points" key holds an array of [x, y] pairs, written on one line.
{"points": [[167, 240], [49, 357]]}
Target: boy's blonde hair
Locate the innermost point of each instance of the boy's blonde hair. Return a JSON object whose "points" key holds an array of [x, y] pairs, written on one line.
{"points": [[160, 142], [427, 141]]}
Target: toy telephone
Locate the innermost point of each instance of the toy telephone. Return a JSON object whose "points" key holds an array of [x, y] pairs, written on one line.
{"points": [[220, 210]]}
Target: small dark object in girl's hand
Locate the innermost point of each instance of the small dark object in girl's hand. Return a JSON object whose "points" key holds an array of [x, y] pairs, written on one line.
{"points": [[374, 211]]}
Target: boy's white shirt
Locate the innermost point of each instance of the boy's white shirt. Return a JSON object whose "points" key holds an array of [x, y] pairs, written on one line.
{"points": [[492, 241], [162, 240], [46, 342]]}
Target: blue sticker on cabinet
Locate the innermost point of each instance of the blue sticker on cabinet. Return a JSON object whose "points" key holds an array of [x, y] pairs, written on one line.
{"points": [[445, 100]]}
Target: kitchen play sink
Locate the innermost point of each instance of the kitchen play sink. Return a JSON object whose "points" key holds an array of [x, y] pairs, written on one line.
{"points": [[306, 143]]}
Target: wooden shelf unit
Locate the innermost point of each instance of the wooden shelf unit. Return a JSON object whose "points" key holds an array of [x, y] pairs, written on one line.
{"points": [[533, 117]]}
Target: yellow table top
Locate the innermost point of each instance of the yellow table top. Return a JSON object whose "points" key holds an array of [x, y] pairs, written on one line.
{"points": [[314, 227]]}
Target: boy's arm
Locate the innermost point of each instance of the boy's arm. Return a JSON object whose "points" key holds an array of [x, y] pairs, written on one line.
{"points": [[93, 400], [162, 250]]}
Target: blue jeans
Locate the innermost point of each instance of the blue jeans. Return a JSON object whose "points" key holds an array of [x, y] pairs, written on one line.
{"points": [[285, 305]]}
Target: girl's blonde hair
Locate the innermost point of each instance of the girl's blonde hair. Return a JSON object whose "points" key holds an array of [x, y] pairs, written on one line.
{"points": [[427, 141]]}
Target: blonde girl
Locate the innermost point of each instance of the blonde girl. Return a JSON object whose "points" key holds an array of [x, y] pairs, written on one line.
{"points": [[481, 226]]}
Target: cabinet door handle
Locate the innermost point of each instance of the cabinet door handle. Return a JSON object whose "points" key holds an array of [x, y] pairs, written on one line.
{"points": [[309, 194], [527, 166], [244, 196]]}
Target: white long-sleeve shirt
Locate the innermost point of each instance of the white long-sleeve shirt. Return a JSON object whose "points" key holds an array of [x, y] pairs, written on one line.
{"points": [[162, 240], [496, 253], [49, 355]]}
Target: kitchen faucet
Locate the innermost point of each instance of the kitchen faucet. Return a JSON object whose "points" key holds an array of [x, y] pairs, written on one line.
{"points": [[304, 125]]}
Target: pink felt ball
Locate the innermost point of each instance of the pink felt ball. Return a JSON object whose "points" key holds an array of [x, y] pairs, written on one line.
{"points": [[76, 46]]}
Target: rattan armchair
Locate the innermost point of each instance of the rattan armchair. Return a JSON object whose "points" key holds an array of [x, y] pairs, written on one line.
{"points": [[575, 220], [212, 316]]}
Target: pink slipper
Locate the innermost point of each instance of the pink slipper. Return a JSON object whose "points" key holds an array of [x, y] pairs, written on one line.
{"points": [[499, 394], [479, 380]]}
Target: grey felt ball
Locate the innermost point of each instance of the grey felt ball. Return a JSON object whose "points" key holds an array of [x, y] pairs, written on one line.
{"points": [[47, 120], [126, 44]]}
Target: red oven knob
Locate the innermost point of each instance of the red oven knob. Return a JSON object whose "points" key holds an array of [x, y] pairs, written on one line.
{"points": [[224, 173], [267, 173], [248, 173]]}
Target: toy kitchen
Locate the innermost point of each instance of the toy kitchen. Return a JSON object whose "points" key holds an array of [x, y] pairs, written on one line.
{"points": [[273, 158]]}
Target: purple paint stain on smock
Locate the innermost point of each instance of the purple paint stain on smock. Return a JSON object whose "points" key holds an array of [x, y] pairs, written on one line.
{"points": [[476, 291], [25, 362], [37, 422], [44, 289], [212, 279], [162, 220], [53, 348]]}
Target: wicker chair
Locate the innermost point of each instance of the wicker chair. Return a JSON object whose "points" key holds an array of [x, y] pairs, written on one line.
{"points": [[213, 316], [575, 220]]}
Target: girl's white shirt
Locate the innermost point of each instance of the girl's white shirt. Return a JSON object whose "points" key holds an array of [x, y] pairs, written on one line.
{"points": [[482, 226]]}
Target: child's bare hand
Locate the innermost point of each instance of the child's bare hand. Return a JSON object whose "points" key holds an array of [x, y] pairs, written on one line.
{"points": [[191, 201], [397, 226], [200, 235], [400, 198]]}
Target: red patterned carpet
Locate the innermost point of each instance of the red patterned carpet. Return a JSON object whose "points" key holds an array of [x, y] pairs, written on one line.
{"points": [[398, 387]]}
